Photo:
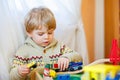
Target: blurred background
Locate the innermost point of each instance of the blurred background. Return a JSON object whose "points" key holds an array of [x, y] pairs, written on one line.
{"points": [[101, 20], [87, 26]]}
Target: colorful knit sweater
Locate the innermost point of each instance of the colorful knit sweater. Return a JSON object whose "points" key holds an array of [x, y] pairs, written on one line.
{"points": [[30, 51]]}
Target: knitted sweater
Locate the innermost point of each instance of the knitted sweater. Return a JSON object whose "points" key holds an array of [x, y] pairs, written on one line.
{"points": [[30, 51]]}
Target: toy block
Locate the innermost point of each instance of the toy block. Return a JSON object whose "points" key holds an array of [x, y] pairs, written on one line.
{"points": [[52, 73], [101, 72], [55, 66], [117, 77], [114, 53], [63, 77], [32, 65], [75, 76]]}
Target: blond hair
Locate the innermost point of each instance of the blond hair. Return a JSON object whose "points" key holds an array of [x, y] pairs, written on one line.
{"points": [[39, 17]]}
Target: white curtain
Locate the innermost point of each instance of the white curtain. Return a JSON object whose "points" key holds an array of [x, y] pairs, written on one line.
{"points": [[70, 29]]}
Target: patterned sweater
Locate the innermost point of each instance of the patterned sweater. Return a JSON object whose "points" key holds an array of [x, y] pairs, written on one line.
{"points": [[30, 51]]}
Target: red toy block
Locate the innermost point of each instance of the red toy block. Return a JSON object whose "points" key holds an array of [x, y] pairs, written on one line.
{"points": [[55, 65], [115, 52]]}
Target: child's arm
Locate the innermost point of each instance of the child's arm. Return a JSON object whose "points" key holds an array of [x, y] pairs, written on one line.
{"points": [[72, 55], [18, 70], [23, 70], [68, 56]]}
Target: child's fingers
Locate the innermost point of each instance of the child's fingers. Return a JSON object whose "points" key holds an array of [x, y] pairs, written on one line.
{"points": [[61, 65], [65, 65], [23, 70]]}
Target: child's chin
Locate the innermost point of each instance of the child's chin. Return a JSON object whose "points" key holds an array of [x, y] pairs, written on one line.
{"points": [[45, 45]]}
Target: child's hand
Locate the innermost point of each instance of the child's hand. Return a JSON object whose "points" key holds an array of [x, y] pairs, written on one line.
{"points": [[63, 63], [23, 70]]}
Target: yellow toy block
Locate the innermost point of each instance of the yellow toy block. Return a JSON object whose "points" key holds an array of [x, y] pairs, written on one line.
{"points": [[100, 71], [31, 64], [52, 73]]}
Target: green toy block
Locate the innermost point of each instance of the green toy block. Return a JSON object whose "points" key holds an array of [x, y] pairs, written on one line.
{"points": [[73, 76]]}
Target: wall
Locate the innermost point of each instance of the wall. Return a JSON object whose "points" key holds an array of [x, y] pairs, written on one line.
{"points": [[99, 29], [93, 20], [88, 17], [112, 26]]}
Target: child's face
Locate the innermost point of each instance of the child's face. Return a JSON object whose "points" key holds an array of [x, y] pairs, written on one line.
{"points": [[42, 37]]}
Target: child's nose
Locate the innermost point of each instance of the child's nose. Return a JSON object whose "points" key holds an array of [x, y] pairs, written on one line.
{"points": [[46, 35]]}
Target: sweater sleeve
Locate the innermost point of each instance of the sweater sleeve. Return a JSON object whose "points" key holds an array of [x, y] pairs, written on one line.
{"points": [[16, 61], [14, 75], [72, 55]]}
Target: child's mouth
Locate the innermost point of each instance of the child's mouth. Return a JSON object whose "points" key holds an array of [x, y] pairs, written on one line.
{"points": [[46, 42]]}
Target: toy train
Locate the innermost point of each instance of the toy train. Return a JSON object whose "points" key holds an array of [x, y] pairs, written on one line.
{"points": [[51, 69], [73, 66]]}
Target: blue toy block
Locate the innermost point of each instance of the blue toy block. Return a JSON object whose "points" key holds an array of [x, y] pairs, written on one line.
{"points": [[63, 77], [108, 77], [117, 77]]}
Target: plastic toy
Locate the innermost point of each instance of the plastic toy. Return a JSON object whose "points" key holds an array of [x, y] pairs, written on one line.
{"points": [[52, 73], [117, 77], [63, 77], [48, 72], [75, 76], [101, 72], [115, 52], [96, 71], [32, 65], [50, 69], [73, 66], [68, 76]]}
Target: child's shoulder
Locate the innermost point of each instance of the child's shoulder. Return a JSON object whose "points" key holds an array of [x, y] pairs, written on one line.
{"points": [[23, 47], [22, 50], [60, 43]]}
